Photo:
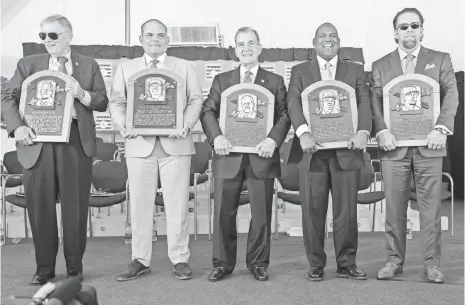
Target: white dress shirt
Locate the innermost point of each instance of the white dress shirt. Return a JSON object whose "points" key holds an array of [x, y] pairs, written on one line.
{"points": [[54, 65], [149, 59], [327, 73], [403, 61]]}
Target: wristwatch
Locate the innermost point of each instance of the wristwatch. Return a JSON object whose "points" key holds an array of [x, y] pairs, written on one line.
{"points": [[441, 130]]}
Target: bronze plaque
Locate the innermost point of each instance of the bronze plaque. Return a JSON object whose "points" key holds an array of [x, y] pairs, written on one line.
{"points": [[156, 102], [46, 107], [411, 106], [330, 108], [246, 116]]}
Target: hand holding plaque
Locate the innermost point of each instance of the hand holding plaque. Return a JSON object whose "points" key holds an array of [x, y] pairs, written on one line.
{"points": [[266, 148], [386, 141], [24, 135], [222, 145], [358, 142], [436, 140], [309, 143]]}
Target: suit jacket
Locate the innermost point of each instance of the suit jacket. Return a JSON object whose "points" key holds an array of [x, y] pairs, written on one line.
{"points": [[389, 67], [142, 146], [304, 75], [86, 71], [227, 167]]}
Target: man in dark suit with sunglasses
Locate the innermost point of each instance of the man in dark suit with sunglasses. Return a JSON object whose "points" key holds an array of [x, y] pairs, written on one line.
{"points": [[337, 170], [231, 169], [57, 170], [425, 162]]}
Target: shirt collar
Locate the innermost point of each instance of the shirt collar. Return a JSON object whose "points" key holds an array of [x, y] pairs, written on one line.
{"points": [[402, 53], [149, 59], [67, 55], [322, 62], [254, 70]]}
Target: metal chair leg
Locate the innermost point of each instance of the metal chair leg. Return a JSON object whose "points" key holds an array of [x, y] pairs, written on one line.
{"points": [[4, 213], [451, 202], [210, 185], [25, 223], [196, 176], [276, 212], [90, 222]]}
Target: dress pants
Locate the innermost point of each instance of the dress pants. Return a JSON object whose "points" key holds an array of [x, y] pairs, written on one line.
{"points": [[62, 171], [326, 174], [174, 172], [397, 175], [226, 201]]}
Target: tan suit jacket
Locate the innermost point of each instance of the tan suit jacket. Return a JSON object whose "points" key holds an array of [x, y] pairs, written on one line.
{"points": [[142, 146]]}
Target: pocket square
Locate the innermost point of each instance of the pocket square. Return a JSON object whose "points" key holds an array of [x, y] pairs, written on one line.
{"points": [[430, 66]]}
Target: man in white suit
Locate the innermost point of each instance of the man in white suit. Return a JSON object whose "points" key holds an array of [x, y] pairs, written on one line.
{"points": [[151, 156]]}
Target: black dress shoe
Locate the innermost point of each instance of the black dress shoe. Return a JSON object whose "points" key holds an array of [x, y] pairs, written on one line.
{"points": [[218, 273], [41, 279], [316, 273], [352, 272], [259, 273], [135, 269], [74, 273]]}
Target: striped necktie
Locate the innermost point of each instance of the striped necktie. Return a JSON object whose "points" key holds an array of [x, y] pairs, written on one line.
{"points": [[409, 65], [247, 77]]}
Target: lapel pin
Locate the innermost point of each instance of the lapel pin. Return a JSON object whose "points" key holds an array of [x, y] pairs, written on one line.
{"points": [[77, 64]]}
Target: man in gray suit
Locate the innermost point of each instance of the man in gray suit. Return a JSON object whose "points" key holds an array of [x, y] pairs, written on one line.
{"points": [[149, 157], [425, 162]]}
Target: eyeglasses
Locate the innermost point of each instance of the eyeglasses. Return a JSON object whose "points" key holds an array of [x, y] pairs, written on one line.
{"points": [[52, 35], [404, 26]]}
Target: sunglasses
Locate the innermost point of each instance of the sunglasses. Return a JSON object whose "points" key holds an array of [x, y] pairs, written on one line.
{"points": [[52, 35], [404, 26]]}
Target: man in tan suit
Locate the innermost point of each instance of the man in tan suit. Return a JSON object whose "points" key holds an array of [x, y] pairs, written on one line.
{"points": [[425, 162], [149, 157]]}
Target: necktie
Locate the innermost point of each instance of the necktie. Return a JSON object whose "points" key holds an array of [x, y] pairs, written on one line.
{"points": [[154, 64], [62, 68], [409, 66], [329, 74], [247, 77]]}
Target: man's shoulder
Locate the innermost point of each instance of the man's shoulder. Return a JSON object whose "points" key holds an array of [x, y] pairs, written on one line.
{"points": [[34, 58], [302, 65], [435, 52], [271, 75], [84, 58], [383, 59]]}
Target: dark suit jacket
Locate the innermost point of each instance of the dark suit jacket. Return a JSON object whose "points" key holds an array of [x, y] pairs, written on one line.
{"points": [[304, 75], [227, 167], [439, 68], [86, 71]]}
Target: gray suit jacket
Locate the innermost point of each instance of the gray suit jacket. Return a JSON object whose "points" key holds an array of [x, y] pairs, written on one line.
{"points": [[389, 67], [142, 146]]}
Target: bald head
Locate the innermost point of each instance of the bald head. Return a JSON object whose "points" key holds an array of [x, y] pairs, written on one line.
{"points": [[152, 21], [326, 41]]}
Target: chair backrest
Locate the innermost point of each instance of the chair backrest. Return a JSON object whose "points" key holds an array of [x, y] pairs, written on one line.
{"points": [[99, 139], [106, 151], [366, 173], [11, 163], [289, 178], [199, 161], [109, 176]]}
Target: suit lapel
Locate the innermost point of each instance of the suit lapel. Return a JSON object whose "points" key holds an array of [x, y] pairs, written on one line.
{"points": [[76, 68], [421, 61], [261, 79], [341, 70], [44, 63], [235, 77], [394, 61], [315, 69], [169, 63]]}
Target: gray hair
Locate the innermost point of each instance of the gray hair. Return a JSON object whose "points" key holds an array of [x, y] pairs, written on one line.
{"points": [[247, 29], [60, 19]]}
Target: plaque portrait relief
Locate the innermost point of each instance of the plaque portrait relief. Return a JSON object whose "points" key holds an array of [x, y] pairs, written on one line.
{"points": [[329, 104], [411, 107], [45, 95], [155, 89]]}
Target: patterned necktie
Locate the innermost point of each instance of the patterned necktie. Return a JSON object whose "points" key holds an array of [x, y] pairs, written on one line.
{"points": [[62, 68], [247, 77], [409, 66], [329, 74], [154, 64]]}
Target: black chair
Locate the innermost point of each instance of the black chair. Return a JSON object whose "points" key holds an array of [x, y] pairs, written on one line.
{"points": [[367, 180], [109, 180], [11, 176], [106, 152]]}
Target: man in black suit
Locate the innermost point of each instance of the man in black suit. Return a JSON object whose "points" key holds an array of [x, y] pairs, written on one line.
{"points": [[53, 170], [337, 170], [231, 169]]}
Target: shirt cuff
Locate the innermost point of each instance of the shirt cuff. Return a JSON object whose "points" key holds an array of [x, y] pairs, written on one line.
{"points": [[380, 132], [86, 99], [301, 130], [449, 133]]}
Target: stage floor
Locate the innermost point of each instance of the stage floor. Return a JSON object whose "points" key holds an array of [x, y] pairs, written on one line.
{"points": [[106, 257]]}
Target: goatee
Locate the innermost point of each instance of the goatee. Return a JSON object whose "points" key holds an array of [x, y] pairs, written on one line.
{"points": [[409, 44]]}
